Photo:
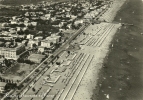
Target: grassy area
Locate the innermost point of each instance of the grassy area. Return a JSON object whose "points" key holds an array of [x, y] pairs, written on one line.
{"points": [[121, 76], [19, 71]]}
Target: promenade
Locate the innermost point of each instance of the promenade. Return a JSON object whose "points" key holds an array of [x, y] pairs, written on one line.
{"points": [[70, 80]]}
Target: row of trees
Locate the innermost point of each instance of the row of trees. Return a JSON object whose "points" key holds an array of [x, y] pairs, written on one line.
{"points": [[9, 83], [6, 80], [22, 60], [10, 86]]}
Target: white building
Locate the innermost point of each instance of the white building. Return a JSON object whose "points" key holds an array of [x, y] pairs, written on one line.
{"points": [[46, 43], [78, 22], [29, 36], [41, 49], [38, 38], [12, 53], [54, 39], [2, 87], [48, 16], [32, 42], [34, 23], [14, 22]]}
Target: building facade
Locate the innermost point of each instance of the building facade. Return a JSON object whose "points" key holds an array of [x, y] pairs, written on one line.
{"points": [[12, 53], [2, 87], [45, 43]]}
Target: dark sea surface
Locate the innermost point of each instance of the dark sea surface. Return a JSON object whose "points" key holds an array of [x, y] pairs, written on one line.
{"points": [[122, 75]]}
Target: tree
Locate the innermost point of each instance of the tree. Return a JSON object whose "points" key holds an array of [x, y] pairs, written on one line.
{"points": [[58, 57], [61, 34], [37, 70], [28, 79], [20, 86], [10, 86], [68, 52], [52, 56], [33, 89], [57, 45], [46, 56], [51, 43], [34, 45], [29, 62], [7, 80], [48, 28], [43, 53], [58, 63], [31, 27], [48, 67], [3, 80], [20, 60], [52, 62], [6, 62], [45, 62]]}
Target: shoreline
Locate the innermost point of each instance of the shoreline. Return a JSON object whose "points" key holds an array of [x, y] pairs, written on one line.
{"points": [[94, 69], [123, 64], [85, 91], [95, 95]]}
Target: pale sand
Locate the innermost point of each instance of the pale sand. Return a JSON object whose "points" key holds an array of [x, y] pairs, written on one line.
{"points": [[89, 81]]}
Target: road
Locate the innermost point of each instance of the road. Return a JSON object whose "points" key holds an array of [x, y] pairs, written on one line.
{"points": [[49, 59], [62, 48]]}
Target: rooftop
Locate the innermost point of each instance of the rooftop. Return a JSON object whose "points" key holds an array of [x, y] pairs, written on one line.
{"points": [[12, 49]]}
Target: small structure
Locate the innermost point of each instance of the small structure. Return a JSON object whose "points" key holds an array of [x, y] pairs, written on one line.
{"points": [[2, 87], [38, 38], [46, 43], [2, 59], [7, 44], [31, 42], [54, 39], [30, 36], [41, 49]]}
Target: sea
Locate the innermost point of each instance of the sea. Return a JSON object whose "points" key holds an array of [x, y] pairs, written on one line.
{"points": [[124, 73], [132, 13]]}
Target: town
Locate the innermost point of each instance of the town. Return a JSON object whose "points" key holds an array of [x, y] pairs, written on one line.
{"points": [[41, 47]]}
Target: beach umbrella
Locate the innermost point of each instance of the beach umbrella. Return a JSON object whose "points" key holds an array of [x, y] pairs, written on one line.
{"points": [[120, 19], [107, 96]]}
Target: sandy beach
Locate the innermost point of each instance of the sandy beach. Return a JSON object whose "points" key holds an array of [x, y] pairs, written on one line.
{"points": [[96, 42], [89, 81], [95, 46]]}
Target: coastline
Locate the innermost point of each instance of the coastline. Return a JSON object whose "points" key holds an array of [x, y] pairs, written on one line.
{"points": [[116, 68], [91, 77], [100, 75], [123, 68]]}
